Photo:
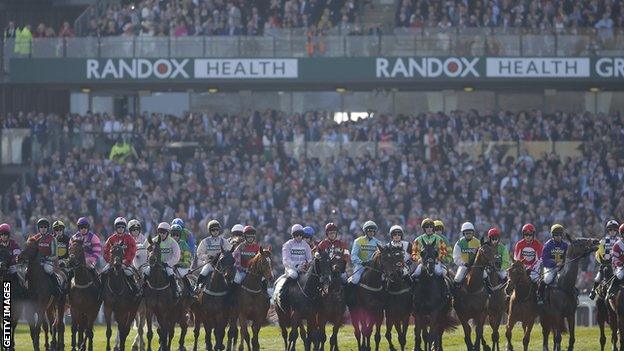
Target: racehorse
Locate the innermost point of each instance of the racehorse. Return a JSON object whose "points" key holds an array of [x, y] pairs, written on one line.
{"points": [[522, 304], [118, 298], [183, 306], [399, 296], [139, 261], [604, 312], [84, 298], [252, 301], [42, 302], [300, 300], [370, 297], [333, 304], [470, 301], [496, 302], [561, 302], [159, 299], [18, 290], [213, 305], [431, 306]]}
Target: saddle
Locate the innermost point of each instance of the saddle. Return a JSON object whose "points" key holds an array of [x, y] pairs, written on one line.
{"points": [[280, 293]]}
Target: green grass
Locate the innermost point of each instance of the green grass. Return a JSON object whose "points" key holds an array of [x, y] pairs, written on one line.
{"points": [[270, 339]]}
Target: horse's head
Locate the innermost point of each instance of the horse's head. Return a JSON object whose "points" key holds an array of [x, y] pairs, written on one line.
{"points": [[76, 254], [517, 273], [581, 246], [338, 264], [486, 255], [31, 250], [154, 251], [261, 264], [225, 264], [390, 261], [429, 256], [117, 254], [322, 266]]}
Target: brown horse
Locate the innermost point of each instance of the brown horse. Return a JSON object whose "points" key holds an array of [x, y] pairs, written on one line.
{"points": [[252, 300], [213, 305], [470, 301], [333, 304], [84, 298], [370, 295], [604, 312], [560, 304], [522, 304], [43, 306], [159, 299], [496, 303], [18, 291], [617, 305], [431, 305], [118, 298]]}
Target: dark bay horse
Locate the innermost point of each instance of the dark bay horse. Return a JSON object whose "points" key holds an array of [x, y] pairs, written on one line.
{"points": [[522, 304], [470, 301], [42, 307], [398, 300], [159, 299], [560, 304], [18, 290], [302, 300], [333, 304], [370, 295], [118, 298], [213, 303], [617, 305], [252, 301], [604, 312], [84, 298], [496, 303], [431, 306]]}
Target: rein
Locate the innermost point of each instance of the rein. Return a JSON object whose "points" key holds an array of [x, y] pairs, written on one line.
{"points": [[157, 288]]}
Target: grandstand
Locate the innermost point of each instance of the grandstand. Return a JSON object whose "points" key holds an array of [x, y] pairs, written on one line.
{"points": [[276, 112]]}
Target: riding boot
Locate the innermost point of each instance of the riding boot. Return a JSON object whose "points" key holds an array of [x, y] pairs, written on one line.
{"points": [[56, 288], [174, 287], [592, 293], [540, 293], [199, 284], [488, 286]]}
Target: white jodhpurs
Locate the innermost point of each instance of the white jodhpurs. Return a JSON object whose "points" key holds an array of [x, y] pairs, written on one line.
{"points": [[240, 275], [502, 274], [549, 275], [439, 270], [182, 271], [292, 273], [598, 277], [127, 270], [357, 274], [168, 270], [206, 270], [619, 273]]}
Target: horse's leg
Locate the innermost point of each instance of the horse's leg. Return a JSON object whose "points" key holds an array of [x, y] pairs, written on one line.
{"points": [[220, 334], [44, 325], [74, 329], [620, 323], [294, 332], [613, 326], [417, 334], [183, 330], [208, 332], [256, 333], [232, 332], [196, 328], [284, 330], [545, 334], [389, 326], [150, 333], [467, 334], [404, 325], [35, 330], [600, 319], [378, 321], [242, 321], [527, 334], [511, 321], [334, 338], [107, 316], [571, 327], [355, 321], [479, 323], [60, 312]]}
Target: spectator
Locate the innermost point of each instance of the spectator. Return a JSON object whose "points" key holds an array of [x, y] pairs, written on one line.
{"points": [[121, 151]]}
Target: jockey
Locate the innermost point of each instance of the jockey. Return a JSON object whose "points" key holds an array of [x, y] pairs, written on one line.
{"points": [[396, 236], [244, 252], [363, 250], [183, 266], [429, 237], [90, 242], [236, 235], [135, 229], [120, 236], [46, 245], [62, 240], [553, 258], [438, 229], [209, 248], [529, 251], [296, 253], [618, 262], [11, 245], [335, 246], [501, 252], [186, 235], [169, 255], [464, 253], [308, 236], [603, 255]]}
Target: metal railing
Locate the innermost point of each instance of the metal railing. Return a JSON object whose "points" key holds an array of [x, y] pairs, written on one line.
{"points": [[415, 43]]}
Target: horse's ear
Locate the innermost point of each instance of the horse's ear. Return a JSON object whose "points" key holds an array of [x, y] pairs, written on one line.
{"points": [[568, 237], [483, 240], [380, 248], [261, 250], [149, 239], [269, 249]]}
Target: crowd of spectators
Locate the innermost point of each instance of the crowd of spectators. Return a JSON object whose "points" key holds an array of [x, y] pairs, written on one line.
{"points": [[240, 171], [533, 15]]}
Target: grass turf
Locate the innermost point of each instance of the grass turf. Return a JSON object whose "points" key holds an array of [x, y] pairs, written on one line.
{"points": [[270, 339]]}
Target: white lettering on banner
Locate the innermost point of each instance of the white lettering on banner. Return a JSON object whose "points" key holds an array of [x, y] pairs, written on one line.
{"points": [[246, 68], [137, 69], [533, 67], [610, 67], [426, 67]]}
